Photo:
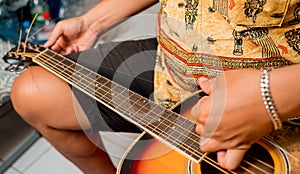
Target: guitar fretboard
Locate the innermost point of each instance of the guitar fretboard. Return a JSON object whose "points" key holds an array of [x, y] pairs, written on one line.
{"points": [[166, 125]]}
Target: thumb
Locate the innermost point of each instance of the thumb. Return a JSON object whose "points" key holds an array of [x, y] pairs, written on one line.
{"points": [[231, 158]]}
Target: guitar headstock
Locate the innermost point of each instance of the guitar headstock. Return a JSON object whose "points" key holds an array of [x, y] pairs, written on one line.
{"points": [[20, 57]]}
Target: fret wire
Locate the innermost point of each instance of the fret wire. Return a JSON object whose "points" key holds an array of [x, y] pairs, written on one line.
{"points": [[76, 74], [51, 57], [167, 127], [56, 62], [100, 82], [163, 120], [194, 135], [178, 142], [173, 129], [200, 154], [137, 111], [182, 135], [138, 99], [69, 77], [128, 108], [175, 138]]}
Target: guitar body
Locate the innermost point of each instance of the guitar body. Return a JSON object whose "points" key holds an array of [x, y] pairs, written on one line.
{"points": [[176, 146], [147, 155], [278, 152], [153, 157]]}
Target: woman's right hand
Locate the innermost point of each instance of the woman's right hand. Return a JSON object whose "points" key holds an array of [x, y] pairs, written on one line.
{"points": [[81, 33], [71, 35]]}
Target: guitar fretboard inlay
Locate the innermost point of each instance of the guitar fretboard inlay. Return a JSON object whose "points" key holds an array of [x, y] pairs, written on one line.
{"points": [[162, 123]]}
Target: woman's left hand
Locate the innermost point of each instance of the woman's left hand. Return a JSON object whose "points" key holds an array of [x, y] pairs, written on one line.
{"points": [[233, 116]]}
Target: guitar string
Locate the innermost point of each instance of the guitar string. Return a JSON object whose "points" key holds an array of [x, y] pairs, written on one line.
{"points": [[68, 67], [28, 32], [120, 96], [19, 42], [85, 75], [189, 149], [174, 137], [50, 57]]}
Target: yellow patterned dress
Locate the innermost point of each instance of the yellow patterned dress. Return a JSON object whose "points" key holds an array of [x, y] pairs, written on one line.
{"points": [[205, 37]]}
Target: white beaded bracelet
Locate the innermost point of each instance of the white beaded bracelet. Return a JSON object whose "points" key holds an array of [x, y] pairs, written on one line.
{"points": [[267, 98]]}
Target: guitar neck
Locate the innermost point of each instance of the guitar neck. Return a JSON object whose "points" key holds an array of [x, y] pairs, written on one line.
{"points": [[166, 125]]}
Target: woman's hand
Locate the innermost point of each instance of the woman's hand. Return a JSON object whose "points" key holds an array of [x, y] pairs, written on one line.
{"points": [[233, 116], [71, 35], [80, 33]]}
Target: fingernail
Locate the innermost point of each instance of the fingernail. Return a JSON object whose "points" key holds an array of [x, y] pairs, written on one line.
{"points": [[202, 79], [199, 128], [194, 113]]}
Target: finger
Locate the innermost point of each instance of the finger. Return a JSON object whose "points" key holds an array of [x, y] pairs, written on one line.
{"points": [[75, 48], [231, 158], [54, 36], [208, 144], [199, 128], [216, 105], [52, 39], [197, 107], [69, 50], [59, 46], [221, 156], [205, 84]]}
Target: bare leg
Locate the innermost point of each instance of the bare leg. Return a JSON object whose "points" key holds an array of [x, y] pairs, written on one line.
{"points": [[47, 104]]}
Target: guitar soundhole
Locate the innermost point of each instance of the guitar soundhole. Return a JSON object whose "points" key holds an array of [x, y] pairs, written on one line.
{"points": [[257, 160]]}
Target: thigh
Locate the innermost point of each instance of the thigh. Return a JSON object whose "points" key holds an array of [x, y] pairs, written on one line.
{"points": [[43, 99], [130, 64]]}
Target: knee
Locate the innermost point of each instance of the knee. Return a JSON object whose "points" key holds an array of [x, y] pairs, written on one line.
{"points": [[24, 93], [30, 93]]}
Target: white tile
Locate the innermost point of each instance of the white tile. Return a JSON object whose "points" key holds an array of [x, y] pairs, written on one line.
{"points": [[32, 154], [11, 171], [52, 162]]}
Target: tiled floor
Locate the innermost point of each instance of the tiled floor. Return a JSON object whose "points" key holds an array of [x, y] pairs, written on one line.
{"points": [[42, 158]]}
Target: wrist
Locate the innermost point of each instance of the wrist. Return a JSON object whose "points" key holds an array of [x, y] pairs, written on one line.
{"points": [[268, 99], [100, 17], [285, 90]]}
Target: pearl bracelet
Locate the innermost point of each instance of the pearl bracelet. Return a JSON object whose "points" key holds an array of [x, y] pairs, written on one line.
{"points": [[267, 98]]}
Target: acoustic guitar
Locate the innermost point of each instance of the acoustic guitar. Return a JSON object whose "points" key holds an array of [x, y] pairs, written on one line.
{"points": [[169, 143]]}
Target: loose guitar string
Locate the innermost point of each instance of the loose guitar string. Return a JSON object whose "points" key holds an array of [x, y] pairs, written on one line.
{"points": [[32, 54], [85, 75], [27, 35], [19, 42], [8, 45], [25, 43], [143, 106]]}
